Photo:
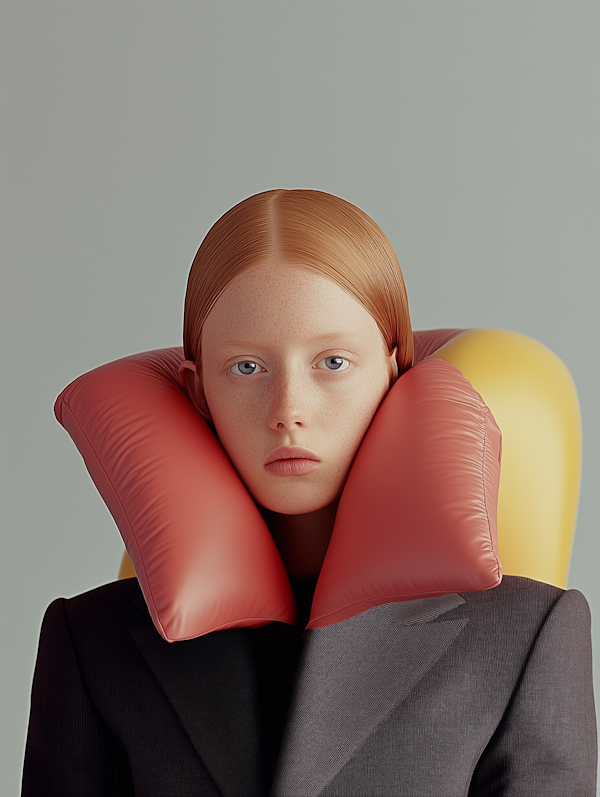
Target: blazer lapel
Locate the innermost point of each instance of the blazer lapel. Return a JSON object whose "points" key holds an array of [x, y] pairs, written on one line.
{"points": [[211, 684], [351, 676]]}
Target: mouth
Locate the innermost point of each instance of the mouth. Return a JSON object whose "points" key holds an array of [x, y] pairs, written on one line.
{"points": [[291, 461]]}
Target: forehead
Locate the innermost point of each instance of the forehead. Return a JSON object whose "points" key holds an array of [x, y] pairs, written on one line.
{"points": [[280, 301]]}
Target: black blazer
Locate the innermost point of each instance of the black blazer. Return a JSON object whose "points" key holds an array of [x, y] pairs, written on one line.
{"points": [[485, 693]]}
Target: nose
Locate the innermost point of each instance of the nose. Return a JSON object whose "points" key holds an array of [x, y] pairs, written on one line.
{"points": [[289, 403]]}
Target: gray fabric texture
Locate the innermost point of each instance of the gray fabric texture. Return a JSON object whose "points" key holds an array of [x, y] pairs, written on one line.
{"points": [[350, 678], [487, 694]]}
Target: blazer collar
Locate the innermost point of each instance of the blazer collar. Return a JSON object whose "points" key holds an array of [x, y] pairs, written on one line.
{"points": [[344, 689], [211, 683], [352, 675]]}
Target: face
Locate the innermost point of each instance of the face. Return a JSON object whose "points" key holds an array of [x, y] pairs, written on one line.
{"points": [[291, 361]]}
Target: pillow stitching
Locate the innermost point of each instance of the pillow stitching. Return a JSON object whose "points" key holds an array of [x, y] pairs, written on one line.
{"points": [[485, 498]]}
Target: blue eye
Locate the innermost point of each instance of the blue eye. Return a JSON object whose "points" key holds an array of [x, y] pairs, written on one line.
{"points": [[245, 368], [335, 363]]}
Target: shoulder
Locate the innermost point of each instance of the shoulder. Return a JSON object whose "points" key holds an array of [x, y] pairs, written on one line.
{"points": [[101, 613], [92, 636], [522, 607], [106, 598], [517, 593]]}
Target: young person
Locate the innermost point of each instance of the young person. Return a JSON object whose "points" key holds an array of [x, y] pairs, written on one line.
{"points": [[296, 327]]}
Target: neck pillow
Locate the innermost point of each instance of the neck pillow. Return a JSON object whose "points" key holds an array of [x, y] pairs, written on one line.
{"points": [[417, 516]]}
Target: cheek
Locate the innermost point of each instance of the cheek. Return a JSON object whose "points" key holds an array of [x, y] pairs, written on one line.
{"points": [[235, 425], [364, 402], [355, 428], [348, 424]]}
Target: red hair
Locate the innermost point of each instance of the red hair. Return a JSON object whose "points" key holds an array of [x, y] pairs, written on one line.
{"points": [[311, 229]]}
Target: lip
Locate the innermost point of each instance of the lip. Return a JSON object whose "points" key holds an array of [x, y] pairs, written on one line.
{"points": [[291, 461], [291, 452], [292, 467]]}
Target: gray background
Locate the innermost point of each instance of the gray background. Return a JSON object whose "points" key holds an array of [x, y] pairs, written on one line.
{"points": [[469, 130]]}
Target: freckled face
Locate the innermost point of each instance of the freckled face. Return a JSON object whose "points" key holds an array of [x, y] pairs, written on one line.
{"points": [[290, 359]]}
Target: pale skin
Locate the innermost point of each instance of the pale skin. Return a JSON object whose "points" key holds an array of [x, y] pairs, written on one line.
{"points": [[291, 359]]}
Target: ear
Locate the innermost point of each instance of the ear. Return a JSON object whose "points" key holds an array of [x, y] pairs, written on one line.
{"points": [[187, 377], [393, 365]]}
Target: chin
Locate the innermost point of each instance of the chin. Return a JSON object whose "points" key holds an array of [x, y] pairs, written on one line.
{"points": [[295, 504]]}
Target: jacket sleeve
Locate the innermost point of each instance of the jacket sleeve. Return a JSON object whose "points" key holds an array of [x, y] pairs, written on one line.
{"points": [[70, 751], [546, 743]]}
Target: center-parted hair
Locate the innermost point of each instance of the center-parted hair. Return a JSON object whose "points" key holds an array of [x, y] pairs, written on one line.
{"points": [[305, 228]]}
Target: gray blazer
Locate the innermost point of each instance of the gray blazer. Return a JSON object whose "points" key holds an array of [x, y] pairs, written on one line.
{"points": [[479, 694]]}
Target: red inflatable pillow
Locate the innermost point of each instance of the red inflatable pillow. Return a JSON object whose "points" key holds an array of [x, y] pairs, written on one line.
{"points": [[417, 516]]}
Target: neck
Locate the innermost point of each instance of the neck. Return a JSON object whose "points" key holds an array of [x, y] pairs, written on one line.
{"points": [[301, 540]]}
